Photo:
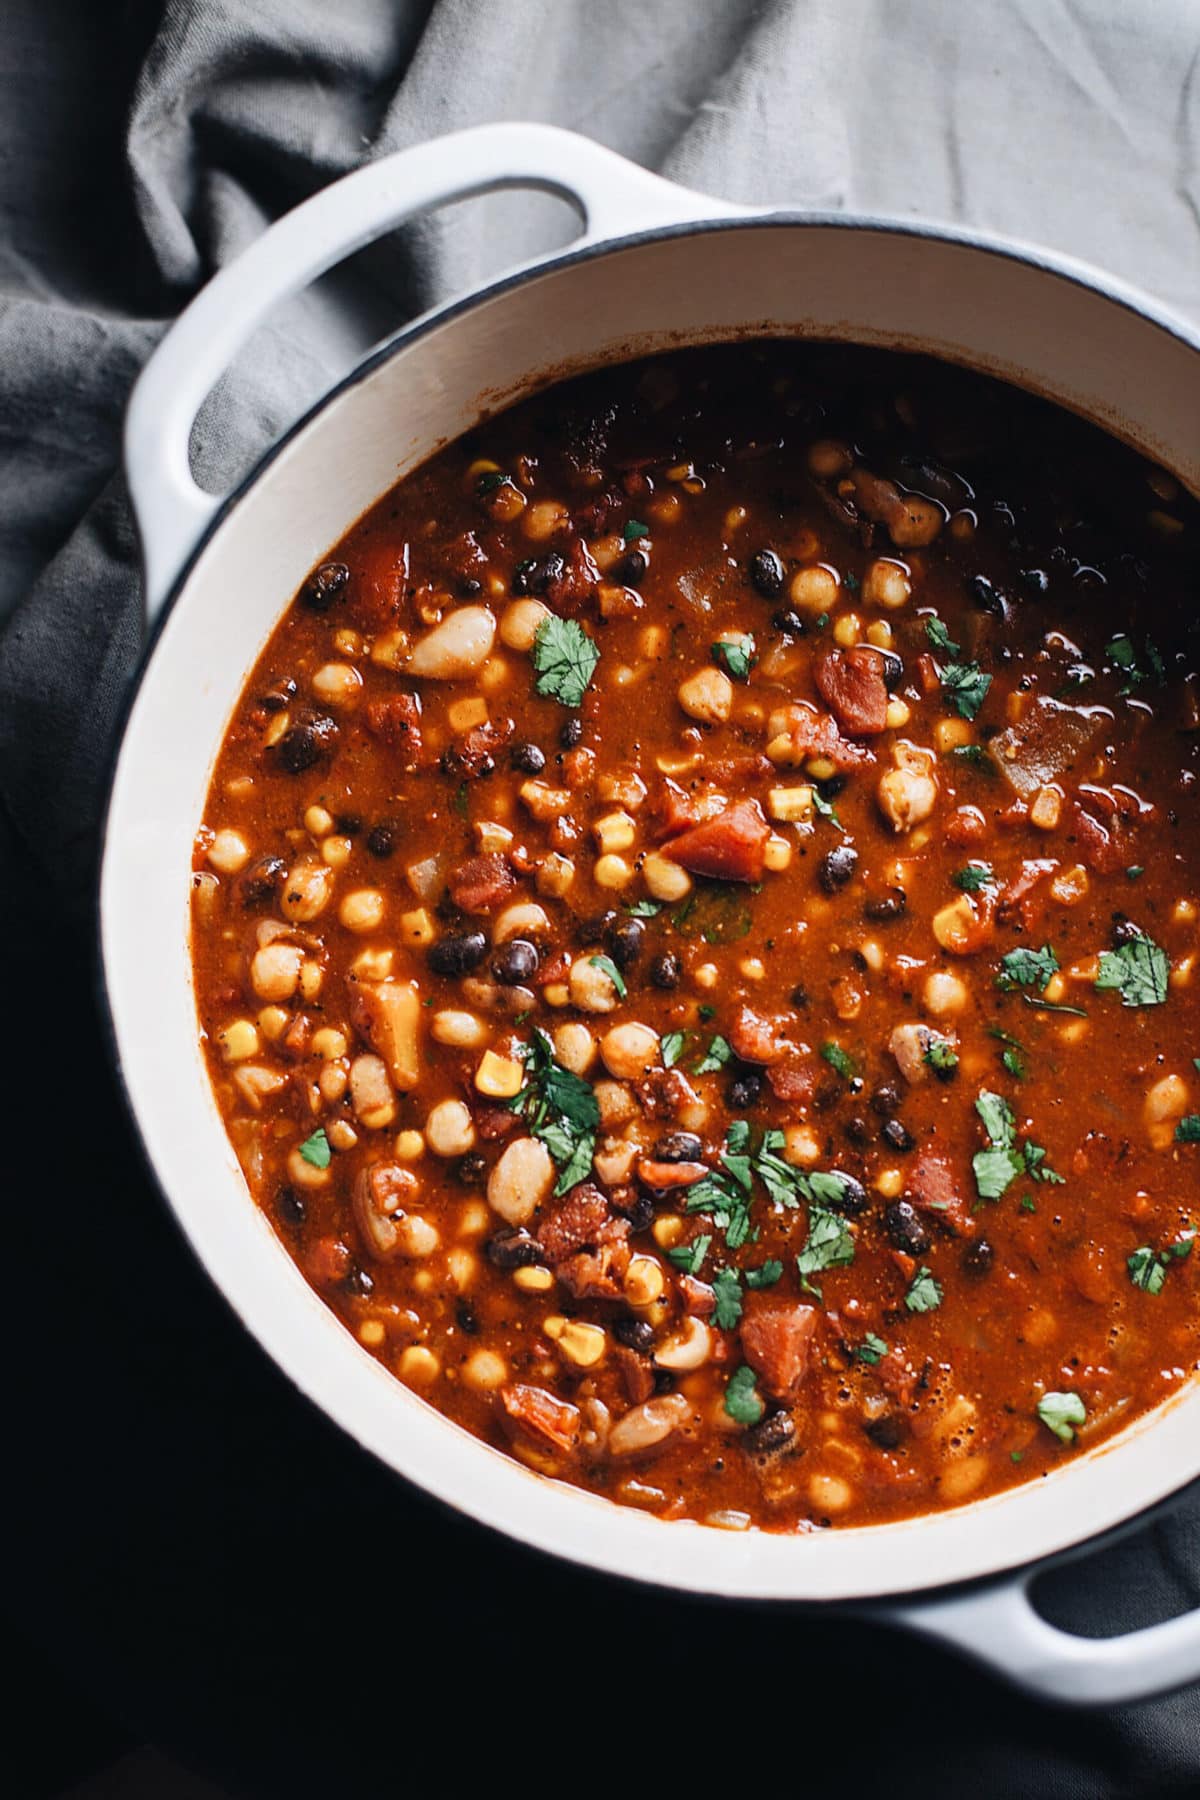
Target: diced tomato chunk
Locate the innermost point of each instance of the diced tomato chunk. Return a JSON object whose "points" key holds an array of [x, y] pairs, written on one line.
{"points": [[852, 686], [934, 1187], [731, 847], [395, 720], [377, 586], [482, 883], [542, 1414], [776, 1341], [755, 1039], [813, 734]]}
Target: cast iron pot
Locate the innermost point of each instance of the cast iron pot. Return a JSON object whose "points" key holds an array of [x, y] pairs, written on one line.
{"points": [[657, 266]]}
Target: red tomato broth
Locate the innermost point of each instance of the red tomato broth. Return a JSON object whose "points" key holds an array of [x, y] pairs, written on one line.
{"points": [[794, 821]]}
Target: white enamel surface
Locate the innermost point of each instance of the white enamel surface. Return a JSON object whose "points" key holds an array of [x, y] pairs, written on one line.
{"points": [[824, 279]]}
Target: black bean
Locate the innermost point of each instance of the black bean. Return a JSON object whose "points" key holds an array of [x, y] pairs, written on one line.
{"points": [[985, 595], [666, 970], [886, 1099], [882, 907], [624, 941], [632, 569], [905, 1228], [306, 742], [744, 1090], [348, 824], [471, 1169], [635, 1334], [281, 695], [895, 1135], [836, 867], [634, 1204], [571, 732], [887, 1433], [893, 670], [260, 883], [851, 1198], [765, 569], [591, 929], [514, 1249], [978, 1258], [771, 1435], [677, 1147], [291, 1206], [536, 573], [515, 963], [358, 1281], [324, 586], [1035, 581], [799, 996], [381, 840], [788, 620], [466, 1318], [527, 758], [857, 1130], [468, 587], [457, 953], [664, 1381]]}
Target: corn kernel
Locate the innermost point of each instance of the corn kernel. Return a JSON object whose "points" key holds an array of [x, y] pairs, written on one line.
{"points": [[499, 1077], [329, 1044], [790, 805], [615, 831], [416, 927], [847, 630], [239, 1040], [612, 872], [581, 1344], [409, 1146], [951, 734], [533, 1280], [556, 993], [880, 633], [1046, 809], [462, 715], [898, 714], [777, 853], [667, 1231], [419, 1365], [890, 1183]]}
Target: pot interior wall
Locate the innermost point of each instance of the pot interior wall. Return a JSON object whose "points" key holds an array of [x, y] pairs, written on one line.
{"points": [[866, 285]]}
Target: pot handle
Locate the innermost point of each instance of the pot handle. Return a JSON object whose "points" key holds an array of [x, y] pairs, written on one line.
{"points": [[996, 1624], [614, 197]]}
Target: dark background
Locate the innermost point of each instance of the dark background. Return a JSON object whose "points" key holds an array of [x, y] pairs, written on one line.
{"points": [[196, 1560]]}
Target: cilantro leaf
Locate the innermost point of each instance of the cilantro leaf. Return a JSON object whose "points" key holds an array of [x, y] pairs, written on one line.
{"points": [[825, 808], [967, 686], [766, 1275], [1035, 1164], [1188, 1129], [1027, 968], [742, 1401], [1014, 1063], [829, 1245], [565, 658], [690, 1257], [1062, 1412], [871, 1350], [1146, 1269], [925, 1294], [560, 1109], [735, 655], [1137, 970], [728, 1289], [609, 968], [941, 1057], [315, 1150], [644, 909], [939, 638], [635, 528], [715, 1057], [995, 1170], [839, 1060], [672, 1048], [998, 1120], [974, 876], [978, 757]]}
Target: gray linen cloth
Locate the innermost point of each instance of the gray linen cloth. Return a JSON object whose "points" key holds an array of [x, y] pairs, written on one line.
{"points": [[141, 146]]}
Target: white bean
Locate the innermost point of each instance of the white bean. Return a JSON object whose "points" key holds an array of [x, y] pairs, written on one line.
{"points": [[456, 647]]}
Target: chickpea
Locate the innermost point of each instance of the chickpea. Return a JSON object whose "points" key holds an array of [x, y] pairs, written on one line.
{"points": [[485, 1370], [544, 520], [906, 797], [336, 684], [575, 1047], [521, 623], [362, 910], [449, 1128], [419, 1366], [305, 893], [887, 584], [707, 695], [275, 971], [591, 988], [228, 852], [814, 590], [830, 1494], [945, 995], [629, 1050]]}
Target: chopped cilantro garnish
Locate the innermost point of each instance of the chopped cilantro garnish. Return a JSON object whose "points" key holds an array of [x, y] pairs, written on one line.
{"points": [[925, 1293], [871, 1350], [977, 755], [462, 799], [839, 1060], [635, 528], [672, 1048], [997, 1167], [941, 1056], [829, 1245], [1122, 654], [315, 1150], [644, 909], [565, 658], [560, 1109], [1135, 871], [608, 967], [1137, 970], [490, 480], [967, 686], [976, 875], [728, 1289], [1027, 968], [1148, 1267], [1014, 1063], [742, 1402], [715, 1057], [995, 1170], [825, 808], [705, 1013], [690, 1257], [1188, 1129], [939, 638], [997, 1116], [724, 1193], [735, 655], [1028, 1204], [766, 1275], [1062, 1412]]}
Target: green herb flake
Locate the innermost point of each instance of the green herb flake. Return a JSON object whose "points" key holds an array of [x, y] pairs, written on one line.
{"points": [[727, 1287], [490, 480], [672, 1048], [1062, 1413], [829, 1245], [871, 1350], [825, 808], [974, 877], [1136, 970], [560, 1109], [635, 528], [742, 1401], [925, 1294], [565, 658], [1135, 872], [1147, 1270], [1014, 1063], [715, 1057], [941, 1056], [1188, 1129], [690, 1257], [608, 967], [461, 801], [1028, 1203], [977, 756], [967, 686], [939, 638], [315, 1150], [766, 1275], [644, 909], [839, 1060], [735, 655], [1026, 968]]}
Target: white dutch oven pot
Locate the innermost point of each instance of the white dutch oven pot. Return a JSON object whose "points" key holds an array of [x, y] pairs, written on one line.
{"points": [[657, 266]]}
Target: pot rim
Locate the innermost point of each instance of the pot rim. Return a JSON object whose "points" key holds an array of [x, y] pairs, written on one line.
{"points": [[684, 1572]]}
